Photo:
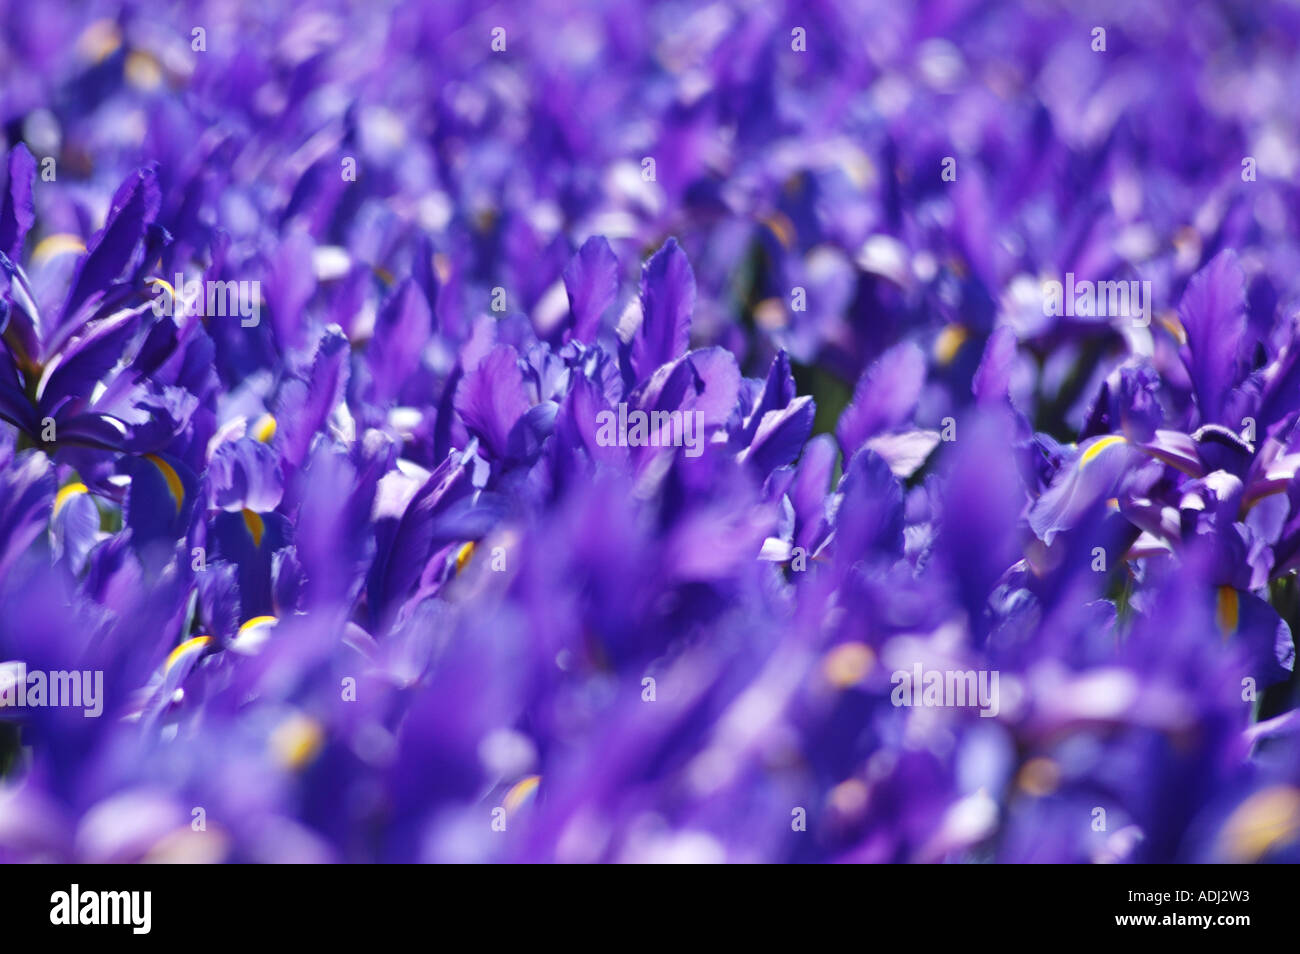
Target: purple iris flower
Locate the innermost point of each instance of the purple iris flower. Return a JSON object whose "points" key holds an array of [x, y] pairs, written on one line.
{"points": [[838, 432]]}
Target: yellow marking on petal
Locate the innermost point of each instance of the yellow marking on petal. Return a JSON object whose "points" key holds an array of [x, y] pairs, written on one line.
{"points": [[520, 793], [770, 314], [256, 526], [1188, 246], [949, 342], [849, 798], [296, 741], [1174, 327], [781, 227], [174, 656], [99, 41], [857, 165], [257, 621], [1110, 440], [169, 475], [1039, 777], [143, 70], [58, 244], [1113, 503], [1228, 610], [265, 428], [252, 635], [165, 284], [67, 493], [184, 846], [384, 275], [1267, 819], [848, 664], [463, 555]]}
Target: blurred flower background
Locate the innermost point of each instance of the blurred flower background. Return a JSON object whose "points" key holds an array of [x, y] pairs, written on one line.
{"points": [[363, 582]]}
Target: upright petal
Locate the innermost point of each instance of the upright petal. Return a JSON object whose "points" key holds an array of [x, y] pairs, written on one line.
{"points": [[885, 397], [667, 301], [491, 398], [1213, 313], [16, 211], [591, 282], [113, 249]]}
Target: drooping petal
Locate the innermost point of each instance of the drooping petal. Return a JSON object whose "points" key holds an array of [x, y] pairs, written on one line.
{"points": [[1263, 636], [159, 504], [74, 526], [1092, 475], [249, 541]]}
